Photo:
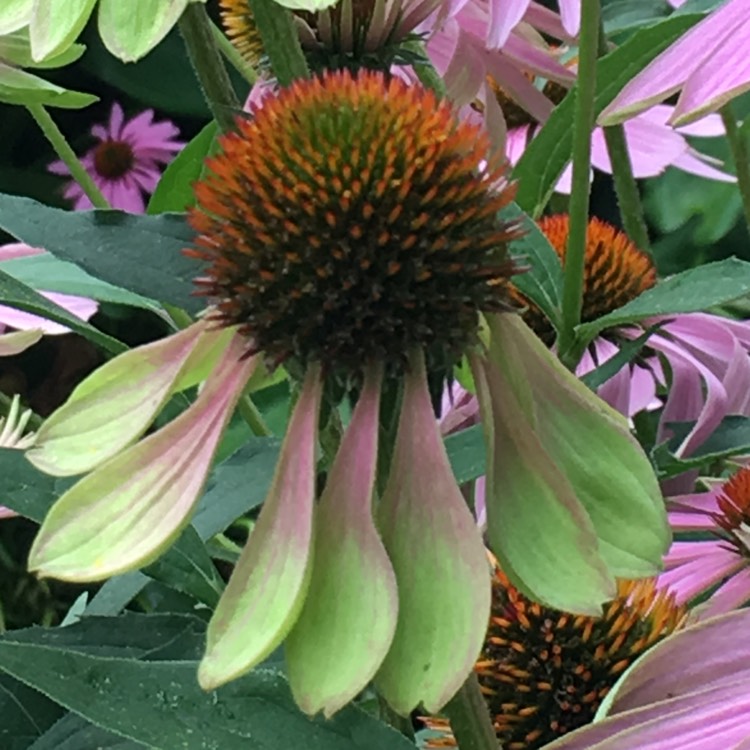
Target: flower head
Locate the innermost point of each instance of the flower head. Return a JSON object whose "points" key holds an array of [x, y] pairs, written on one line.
{"points": [[544, 672], [708, 65], [368, 216], [351, 230], [12, 428], [126, 162], [718, 561]]}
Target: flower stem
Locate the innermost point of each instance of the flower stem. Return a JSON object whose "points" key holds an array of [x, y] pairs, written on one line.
{"points": [[280, 41], [626, 187], [572, 292], [469, 718], [232, 56], [425, 70], [203, 51], [251, 414], [739, 147], [62, 148]]}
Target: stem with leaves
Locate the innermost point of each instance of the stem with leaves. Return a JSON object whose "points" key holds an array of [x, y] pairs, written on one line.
{"points": [[469, 718], [572, 292], [197, 32]]}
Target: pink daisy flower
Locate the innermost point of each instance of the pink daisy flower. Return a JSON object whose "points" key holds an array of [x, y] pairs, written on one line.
{"points": [[709, 65], [720, 560], [127, 160]]}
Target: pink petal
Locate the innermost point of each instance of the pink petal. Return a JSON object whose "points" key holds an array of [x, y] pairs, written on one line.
{"points": [[18, 250], [570, 13]]}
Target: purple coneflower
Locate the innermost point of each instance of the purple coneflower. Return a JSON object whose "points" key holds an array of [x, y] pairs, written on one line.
{"points": [[126, 162], [720, 561], [709, 65]]}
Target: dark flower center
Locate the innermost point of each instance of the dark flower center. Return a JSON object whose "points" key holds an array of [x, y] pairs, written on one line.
{"points": [[113, 159], [351, 220], [544, 672], [615, 271]]}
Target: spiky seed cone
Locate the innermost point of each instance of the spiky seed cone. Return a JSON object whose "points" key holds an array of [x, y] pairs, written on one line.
{"points": [[615, 271], [352, 220], [544, 672]]}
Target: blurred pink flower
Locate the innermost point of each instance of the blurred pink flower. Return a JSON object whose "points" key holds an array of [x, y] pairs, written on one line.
{"points": [[709, 65], [126, 162], [492, 76], [22, 321], [721, 560]]}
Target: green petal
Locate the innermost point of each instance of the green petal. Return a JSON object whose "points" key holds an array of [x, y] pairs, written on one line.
{"points": [[20, 87], [539, 531], [130, 30], [18, 341], [14, 15], [349, 617], [439, 560], [592, 444], [129, 510], [115, 405], [309, 5], [265, 594], [55, 25]]}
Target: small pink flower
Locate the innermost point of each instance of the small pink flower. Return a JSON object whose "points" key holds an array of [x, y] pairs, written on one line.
{"points": [[81, 307], [126, 162], [722, 560], [709, 65]]}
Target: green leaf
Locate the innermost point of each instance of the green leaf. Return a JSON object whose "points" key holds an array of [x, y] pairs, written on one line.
{"points": [[545, 158], [466, 453], [19, 87], [140, 253], [16, 49], [73, 733], [26, 714], [628, 351], [542, 283], [50, 274], [187, 568], [175, 189], [730, 438], [25, 489], [96, 669], [690, 291], [55, 26], [20, 296], [624, 15]]}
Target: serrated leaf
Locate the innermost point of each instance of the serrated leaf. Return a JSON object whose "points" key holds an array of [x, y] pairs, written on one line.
{"points": [[545, 158], [690, 291], [159, 703], [175, 189], [140, 253], [73, 733], [25, 712]]}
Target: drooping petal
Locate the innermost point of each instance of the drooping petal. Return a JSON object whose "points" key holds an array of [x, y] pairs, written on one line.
{"points": [[126, 512], [539, 531], [438, 557], [349, 616], [267, 589], [115, 405], [564, 438], [18, 341]]}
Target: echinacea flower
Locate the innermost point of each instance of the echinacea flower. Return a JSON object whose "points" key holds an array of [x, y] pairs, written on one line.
{"points": [[708, 65], [126, 162], [81, 307], [706, 354], [349, 33], [545, 673], [719, 561], [350, 230]]}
